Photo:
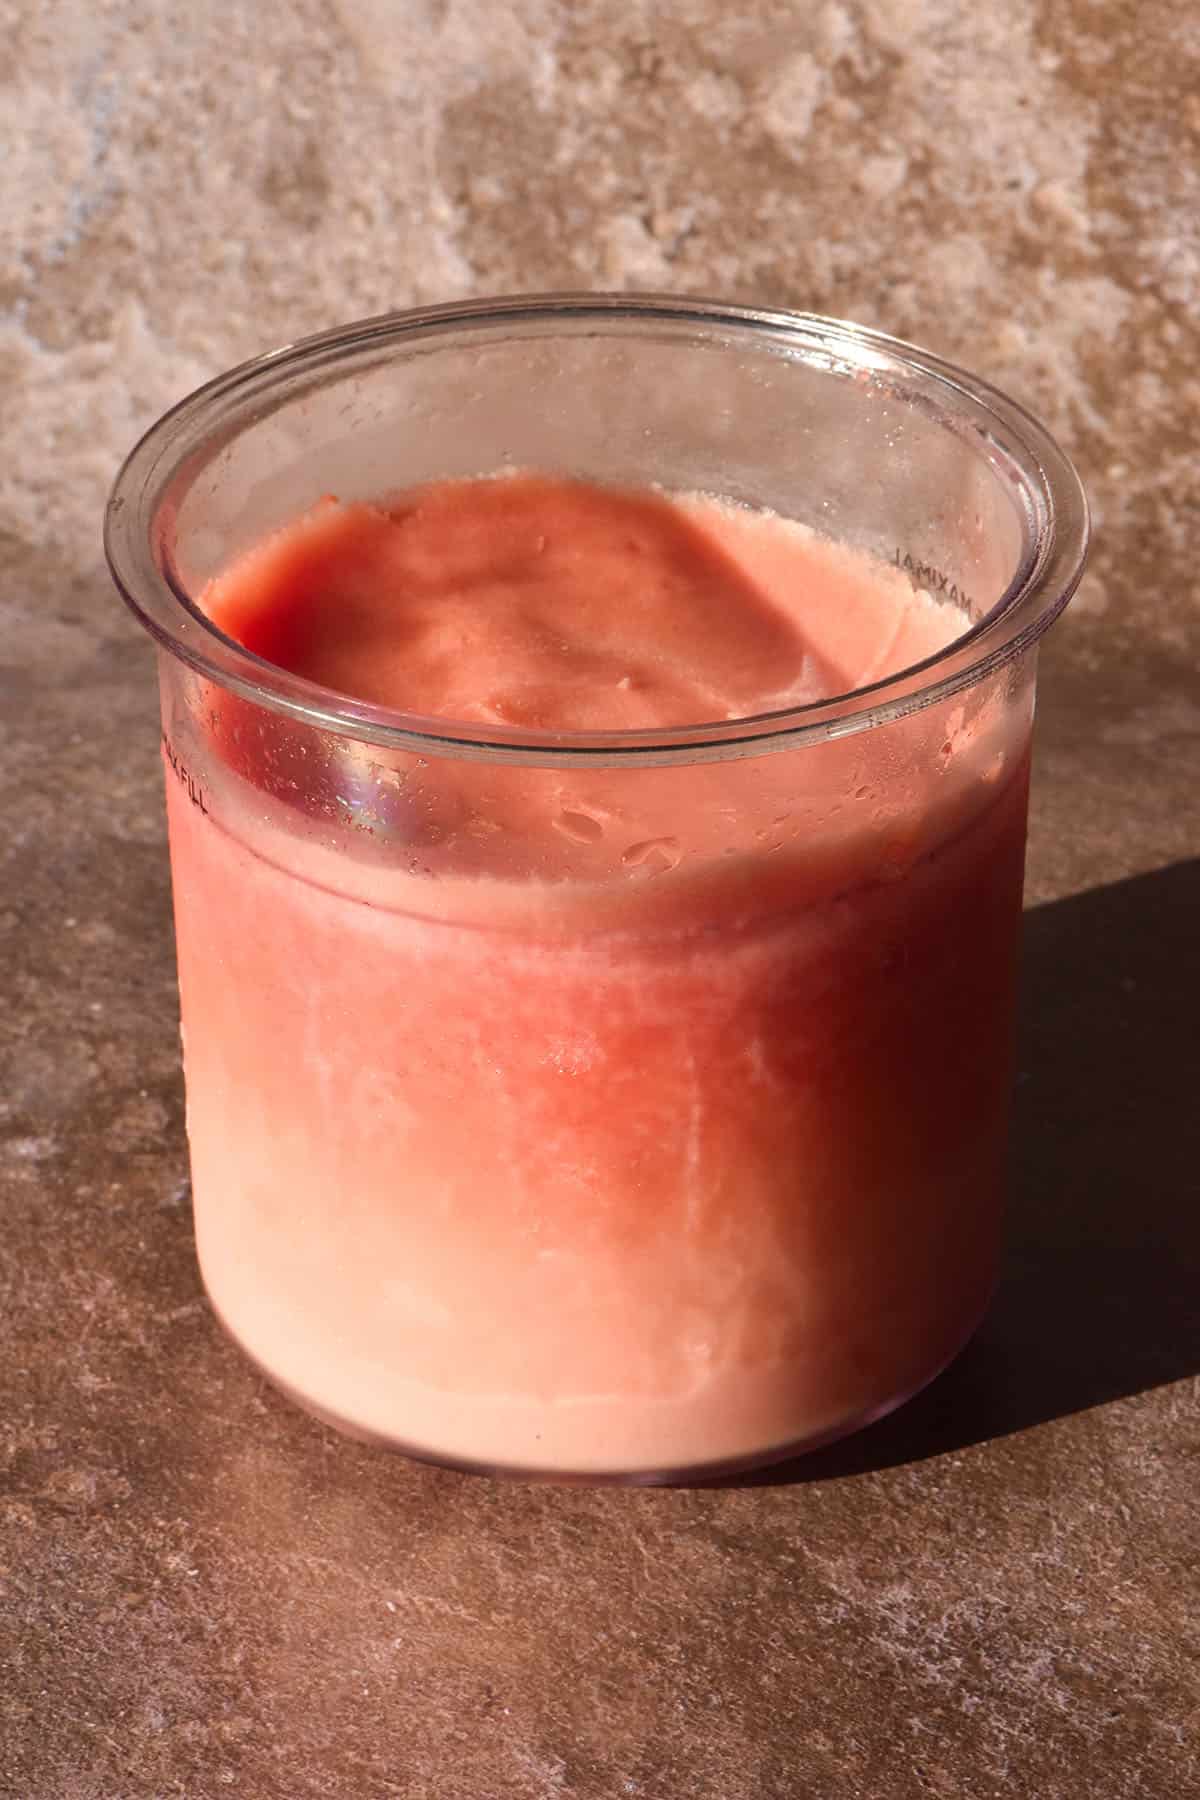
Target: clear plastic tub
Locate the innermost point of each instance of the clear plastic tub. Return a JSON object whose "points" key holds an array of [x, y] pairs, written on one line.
{"points": [[675, 1145]]}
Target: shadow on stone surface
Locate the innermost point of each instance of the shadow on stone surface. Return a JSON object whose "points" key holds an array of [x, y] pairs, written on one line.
{"points": [[1100, 1295]]}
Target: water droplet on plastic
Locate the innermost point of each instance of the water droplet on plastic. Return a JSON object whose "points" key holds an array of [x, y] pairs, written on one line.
{"points": [[656, 855], [580, 825]]}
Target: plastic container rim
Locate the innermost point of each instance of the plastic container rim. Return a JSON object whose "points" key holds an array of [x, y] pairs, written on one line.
{"points": [[1047, 491]]}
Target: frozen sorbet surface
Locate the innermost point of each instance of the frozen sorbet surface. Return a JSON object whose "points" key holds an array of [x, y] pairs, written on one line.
{"points": [[584, 1119]]}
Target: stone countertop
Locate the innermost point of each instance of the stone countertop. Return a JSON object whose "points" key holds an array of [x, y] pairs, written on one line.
{"points": [[993, 1593]]}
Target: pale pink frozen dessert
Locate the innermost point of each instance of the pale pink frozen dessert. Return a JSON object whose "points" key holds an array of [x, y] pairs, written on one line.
{"points": [[584, 1119]]}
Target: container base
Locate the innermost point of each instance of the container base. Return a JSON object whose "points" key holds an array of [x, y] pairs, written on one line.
{"points": [[698, 1474]]}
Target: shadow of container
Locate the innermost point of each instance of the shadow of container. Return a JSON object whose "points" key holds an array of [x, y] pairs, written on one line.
{"points": [[1100, 1293]]}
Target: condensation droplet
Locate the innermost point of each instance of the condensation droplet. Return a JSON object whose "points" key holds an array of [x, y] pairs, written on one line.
{"points": [[653, 854], [581, 826]]}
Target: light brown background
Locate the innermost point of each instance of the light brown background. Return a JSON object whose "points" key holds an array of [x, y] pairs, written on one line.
{"points": [[200, 1591]]}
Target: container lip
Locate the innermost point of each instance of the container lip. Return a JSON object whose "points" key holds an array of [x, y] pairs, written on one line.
{"points": [[1052, 497]]}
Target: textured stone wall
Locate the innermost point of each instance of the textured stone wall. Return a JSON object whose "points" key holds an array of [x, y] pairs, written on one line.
{"points": [[1017, 186]]}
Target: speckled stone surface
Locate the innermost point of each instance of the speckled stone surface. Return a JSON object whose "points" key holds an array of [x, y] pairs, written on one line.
{"points": [[994, 1593]]}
